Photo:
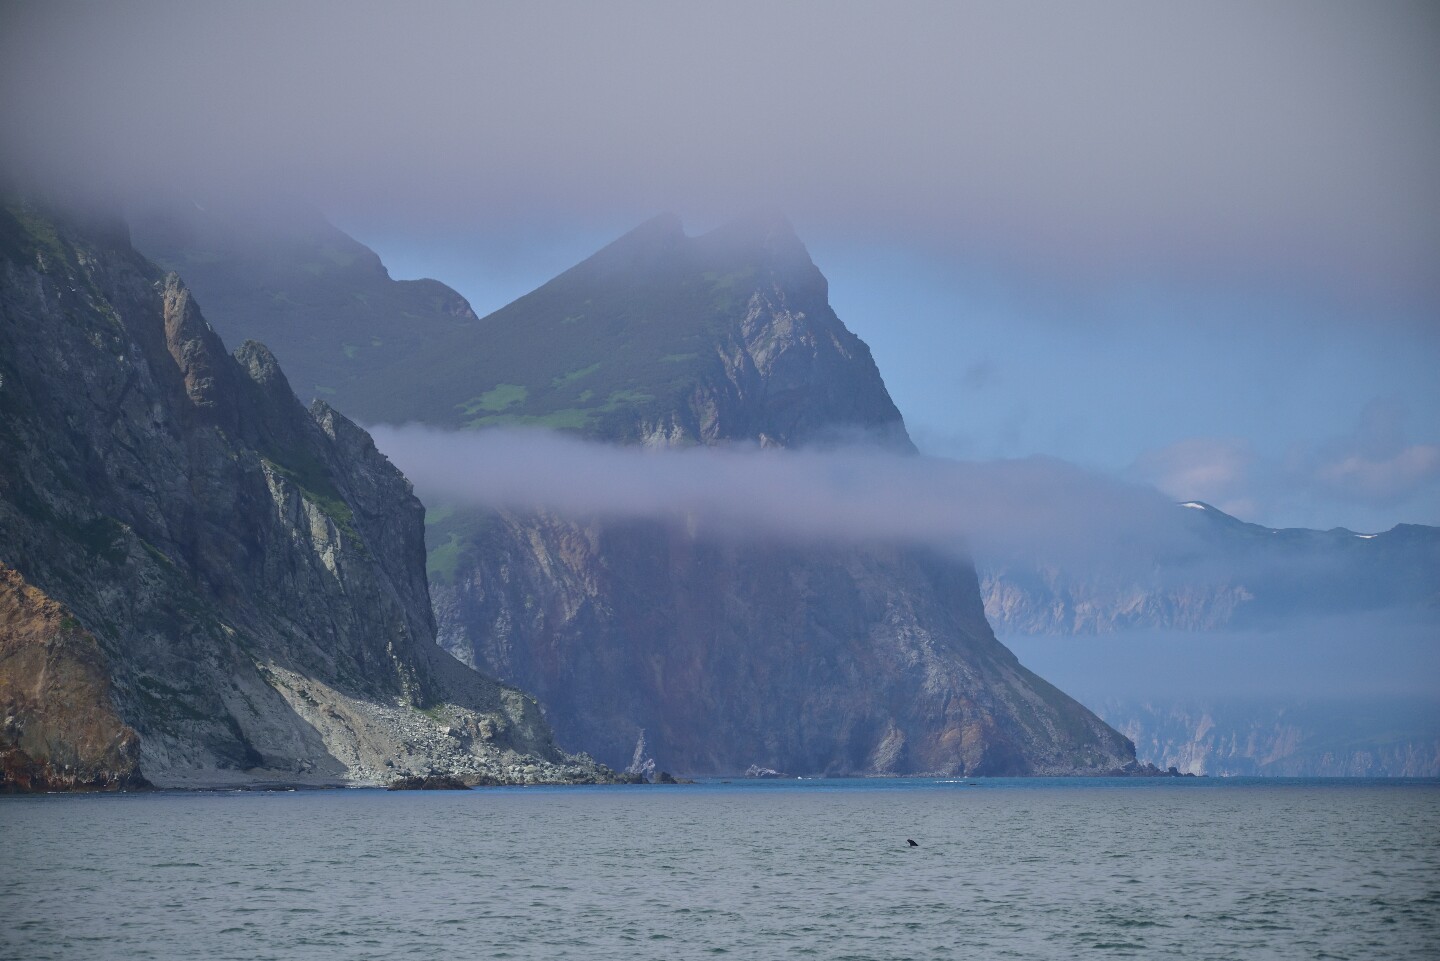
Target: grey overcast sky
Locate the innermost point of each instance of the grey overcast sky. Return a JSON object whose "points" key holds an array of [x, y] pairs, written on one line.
{"points": [[1195, 246]]}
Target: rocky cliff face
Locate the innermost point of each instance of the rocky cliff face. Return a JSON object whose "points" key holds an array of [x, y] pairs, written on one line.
{"points": [[721, 654], [205, 583], [62, 732], [1330, 737], [1043, 599], [731, 654], [724, 654]]}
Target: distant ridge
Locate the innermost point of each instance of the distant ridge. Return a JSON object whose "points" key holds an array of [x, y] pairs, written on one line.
{"points": [[1236, 574]]}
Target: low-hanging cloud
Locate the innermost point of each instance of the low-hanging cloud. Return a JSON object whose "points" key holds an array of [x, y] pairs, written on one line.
{"points": [[1299, 137], [1375, 465], [1376, 461], [1056, 533], [1035, 506]]}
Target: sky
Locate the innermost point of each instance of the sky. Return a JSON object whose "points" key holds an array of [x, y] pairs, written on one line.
{"points": [[1153, 666], [1188, 246]]}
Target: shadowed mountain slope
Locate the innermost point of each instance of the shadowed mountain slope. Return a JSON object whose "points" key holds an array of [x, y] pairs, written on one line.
{"points": [[283, 275]]}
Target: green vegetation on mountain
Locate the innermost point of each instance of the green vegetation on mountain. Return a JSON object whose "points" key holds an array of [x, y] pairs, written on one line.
{"points": [[657, 334]]}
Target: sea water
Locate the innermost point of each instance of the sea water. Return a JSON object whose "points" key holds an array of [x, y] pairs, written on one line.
{"points": [[1206, 868]]}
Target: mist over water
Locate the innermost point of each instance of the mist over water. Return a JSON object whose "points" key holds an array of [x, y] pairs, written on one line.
{"points": [[1037, 510], [1354, 694]]}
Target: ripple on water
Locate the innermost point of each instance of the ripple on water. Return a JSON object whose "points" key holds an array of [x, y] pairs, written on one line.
{"points": [[1006, 869]]}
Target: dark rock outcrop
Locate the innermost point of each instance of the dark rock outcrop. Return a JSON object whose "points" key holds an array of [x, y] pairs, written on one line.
{"points": [[433, 782], [238, 583]]}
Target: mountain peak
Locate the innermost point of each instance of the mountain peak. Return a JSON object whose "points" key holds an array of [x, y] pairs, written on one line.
{"points": [[762, 225], [654, 243], [762, 238], [663, 226], [764, 233]]}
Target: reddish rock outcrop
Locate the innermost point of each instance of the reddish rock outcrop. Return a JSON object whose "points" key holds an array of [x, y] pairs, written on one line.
{"points": [[61, 731]]}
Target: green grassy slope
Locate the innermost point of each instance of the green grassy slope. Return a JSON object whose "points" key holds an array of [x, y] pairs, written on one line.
{"points": [[652, 327]]}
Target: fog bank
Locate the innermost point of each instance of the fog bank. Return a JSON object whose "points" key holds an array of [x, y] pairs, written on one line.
{"points": [[1297, 136], [853, 494]]}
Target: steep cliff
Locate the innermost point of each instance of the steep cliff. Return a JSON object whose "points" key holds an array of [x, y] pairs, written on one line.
{"points": [[1309, 737], [227, 587], [808, 659], [721, 653]]}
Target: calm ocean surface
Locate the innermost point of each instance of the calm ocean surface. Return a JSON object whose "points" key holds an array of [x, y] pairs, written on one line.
{"points": [[1235, 869]]}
